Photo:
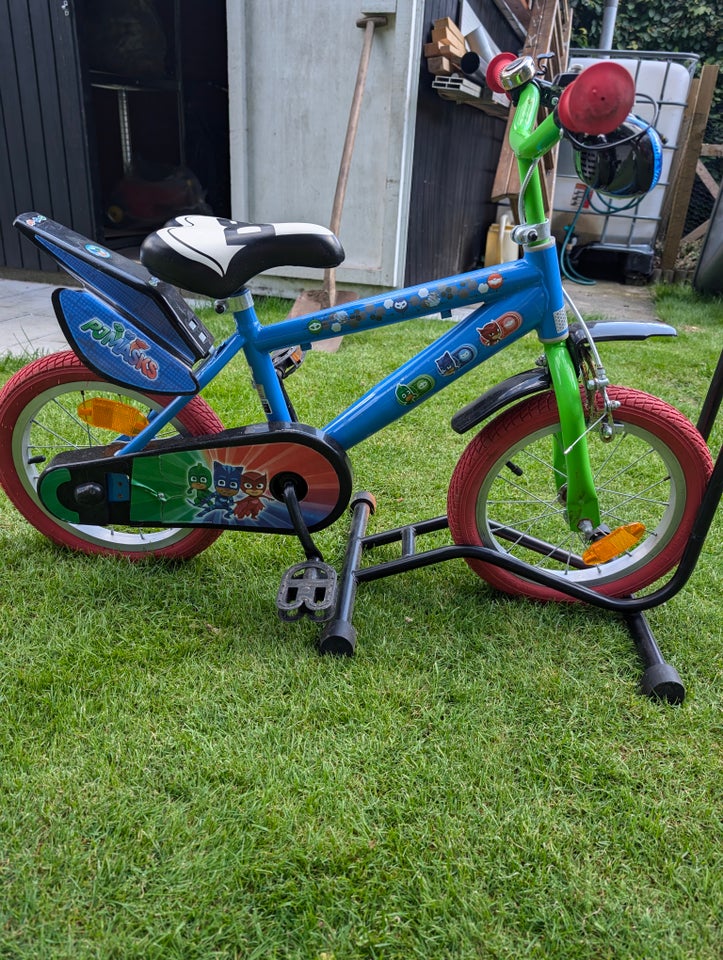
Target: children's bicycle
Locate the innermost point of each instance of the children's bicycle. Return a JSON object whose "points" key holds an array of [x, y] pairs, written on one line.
{"points": [[575, 490]]}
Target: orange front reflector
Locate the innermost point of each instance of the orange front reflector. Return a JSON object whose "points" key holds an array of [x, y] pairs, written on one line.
{"points": [[112, 415], [614, 543]]}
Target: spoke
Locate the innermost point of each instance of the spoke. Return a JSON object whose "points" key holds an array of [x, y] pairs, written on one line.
{"points": [[65, 441], [74, 418], [537, 521], [542, 461], [627, 468], [546, 550], [523, 538], [627, 498], [528, 495]]}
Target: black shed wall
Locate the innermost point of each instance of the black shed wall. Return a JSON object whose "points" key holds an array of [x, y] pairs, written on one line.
{"points": [[44, 160], [456, 150]]}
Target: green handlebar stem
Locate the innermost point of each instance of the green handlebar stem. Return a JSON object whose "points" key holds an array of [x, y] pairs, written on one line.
{"points": [[529, 142]]}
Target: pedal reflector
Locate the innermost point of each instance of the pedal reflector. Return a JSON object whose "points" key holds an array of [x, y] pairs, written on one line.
{"points": [[614, 543], [112, 415]]}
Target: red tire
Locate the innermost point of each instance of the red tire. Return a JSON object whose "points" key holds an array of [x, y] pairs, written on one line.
{"points": [[654, 470], [38, 419]]}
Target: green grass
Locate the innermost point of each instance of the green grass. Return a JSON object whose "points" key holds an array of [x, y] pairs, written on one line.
{"points": [[181, 776]]}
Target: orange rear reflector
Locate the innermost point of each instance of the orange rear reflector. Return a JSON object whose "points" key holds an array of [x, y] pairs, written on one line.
{"points": [[614, 543], [112, 415]]}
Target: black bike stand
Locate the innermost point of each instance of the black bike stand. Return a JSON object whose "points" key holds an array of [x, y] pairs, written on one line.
{"points": [[660, 679], [339, 637]]}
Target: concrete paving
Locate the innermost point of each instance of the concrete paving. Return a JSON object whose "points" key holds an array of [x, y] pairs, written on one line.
{"points": [[606, 300], [28, 326]]}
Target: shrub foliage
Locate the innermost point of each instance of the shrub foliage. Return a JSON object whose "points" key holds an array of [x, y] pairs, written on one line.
{"points": [[695, 27]]}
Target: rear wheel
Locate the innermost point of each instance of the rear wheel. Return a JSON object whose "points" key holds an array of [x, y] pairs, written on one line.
{"points": [[39, 419], [503, 494]]}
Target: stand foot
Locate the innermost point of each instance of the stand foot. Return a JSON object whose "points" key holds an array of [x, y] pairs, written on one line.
{"points": [[660, 679], [663, 681], [339, 639]]}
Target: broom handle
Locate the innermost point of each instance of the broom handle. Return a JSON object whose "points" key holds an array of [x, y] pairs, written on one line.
{"points": [[369, 23]]}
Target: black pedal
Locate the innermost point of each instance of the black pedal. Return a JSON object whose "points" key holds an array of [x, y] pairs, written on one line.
{"points": [[287, 361], [307, 589]]}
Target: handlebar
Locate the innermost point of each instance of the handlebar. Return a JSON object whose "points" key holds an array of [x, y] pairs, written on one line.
{"points": [[597, 101]]}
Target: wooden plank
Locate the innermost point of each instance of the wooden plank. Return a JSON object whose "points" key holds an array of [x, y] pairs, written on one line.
{"points": [[707, 180], [449, 43], [549, 32], [516, 13], [446, 25], [711, 150], [700, 231], [440, 66], [682, 175], [440, 50]]}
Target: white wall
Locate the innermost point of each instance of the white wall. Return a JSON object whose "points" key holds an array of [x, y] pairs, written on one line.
{"points": [[292, 70]]}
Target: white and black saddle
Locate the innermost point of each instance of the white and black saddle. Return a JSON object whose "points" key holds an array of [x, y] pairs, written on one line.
{"points": [[217, 257]]}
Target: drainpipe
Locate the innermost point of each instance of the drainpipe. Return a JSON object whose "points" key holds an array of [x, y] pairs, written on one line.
{"points": [[610, 14]]}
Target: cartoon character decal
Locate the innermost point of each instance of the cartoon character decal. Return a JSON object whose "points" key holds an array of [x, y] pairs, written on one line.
{"points": [[199, 483], [226, 485], [496, 330], [253, 486], [233, 486], [237, 494], [452, 361], [407, 393], [399, 305]]}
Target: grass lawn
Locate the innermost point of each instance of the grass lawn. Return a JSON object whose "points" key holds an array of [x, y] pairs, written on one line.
{"points": [[182, 776]]}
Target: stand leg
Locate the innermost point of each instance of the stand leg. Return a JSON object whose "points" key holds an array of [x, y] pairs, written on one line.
{"points": [[339, 637], [659, 679]]}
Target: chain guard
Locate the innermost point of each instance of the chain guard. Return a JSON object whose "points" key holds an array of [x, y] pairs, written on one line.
{"points": [[230, 480]]}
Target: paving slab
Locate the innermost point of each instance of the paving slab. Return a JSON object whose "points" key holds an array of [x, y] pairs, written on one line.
{"points": [[606, 300], [28, 326]]}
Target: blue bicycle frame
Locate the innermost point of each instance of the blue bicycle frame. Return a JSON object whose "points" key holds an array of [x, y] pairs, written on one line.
{"points": [[512, 300], [504, 303]]}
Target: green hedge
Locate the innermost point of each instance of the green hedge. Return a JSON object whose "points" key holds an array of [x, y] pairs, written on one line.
{"points": [[682, 27]]}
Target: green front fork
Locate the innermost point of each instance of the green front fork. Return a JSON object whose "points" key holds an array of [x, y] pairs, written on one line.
{"points": [[573, 475]]}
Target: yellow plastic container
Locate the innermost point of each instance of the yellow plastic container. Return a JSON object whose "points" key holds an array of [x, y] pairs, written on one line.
{"points": [[500, 247]]}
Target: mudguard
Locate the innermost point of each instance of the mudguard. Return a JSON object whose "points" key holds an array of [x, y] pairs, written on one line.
{"points": [[538, 380], [126, 324], [500, 396], [605, 331], [232, 480], [117, 348]]}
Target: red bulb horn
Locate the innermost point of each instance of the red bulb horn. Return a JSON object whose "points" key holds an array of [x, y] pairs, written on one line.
{"points": [[598, 101]]}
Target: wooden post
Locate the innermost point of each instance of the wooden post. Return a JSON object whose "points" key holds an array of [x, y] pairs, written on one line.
{"points": [[682, 173]]}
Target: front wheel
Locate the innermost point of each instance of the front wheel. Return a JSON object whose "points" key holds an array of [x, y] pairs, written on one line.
{"points": [[503, 494], [39, 419]]}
